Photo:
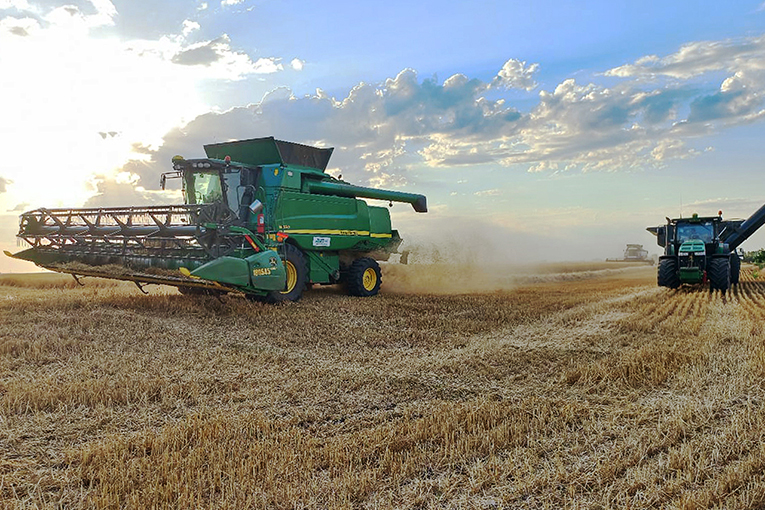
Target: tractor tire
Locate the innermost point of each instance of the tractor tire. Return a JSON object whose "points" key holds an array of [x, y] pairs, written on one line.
{"points": [[296, 265], [667, 274], [719, 273], [735, 268], [363, 277]]}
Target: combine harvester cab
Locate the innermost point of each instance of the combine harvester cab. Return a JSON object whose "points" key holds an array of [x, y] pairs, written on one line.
{"points": [[703, 249], [261, 217]]}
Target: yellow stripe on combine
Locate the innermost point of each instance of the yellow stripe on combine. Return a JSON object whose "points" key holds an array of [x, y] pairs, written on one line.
{"points": [[326, 232], [321, 232], [373, 235]]}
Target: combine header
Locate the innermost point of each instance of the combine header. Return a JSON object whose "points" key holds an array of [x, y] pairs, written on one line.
{"points": [[703, 249], [261, 217]]}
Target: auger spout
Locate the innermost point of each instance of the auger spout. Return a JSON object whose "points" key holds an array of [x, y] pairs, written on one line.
{"points": [[746, 229], [419, 202]]}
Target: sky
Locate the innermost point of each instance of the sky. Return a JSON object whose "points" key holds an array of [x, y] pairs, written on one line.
{"points": [[539, 131]]}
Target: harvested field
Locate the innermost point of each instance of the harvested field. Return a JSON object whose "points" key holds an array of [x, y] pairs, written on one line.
{"points": [[573, 387]]}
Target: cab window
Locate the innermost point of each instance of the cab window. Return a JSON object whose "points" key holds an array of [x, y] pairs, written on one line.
{"points": [[695, 231], [203, 188]]}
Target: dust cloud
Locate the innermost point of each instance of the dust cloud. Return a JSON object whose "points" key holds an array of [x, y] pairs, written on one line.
{"points": [[437, 269], [453, 254]]}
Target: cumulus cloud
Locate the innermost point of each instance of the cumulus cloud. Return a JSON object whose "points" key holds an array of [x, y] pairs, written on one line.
{"points": [[204, 53], [189, 27], [384, 130], [123, 191], [4, 184], [378, 129], [72, 18], [516, 75], [694, 59], [739, 98], [297, 64], [21, 5], [489, 193], [19, 27], [218, 53]]}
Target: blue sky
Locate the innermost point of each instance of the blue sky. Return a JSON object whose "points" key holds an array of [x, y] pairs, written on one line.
{"points": [[539, 130]]}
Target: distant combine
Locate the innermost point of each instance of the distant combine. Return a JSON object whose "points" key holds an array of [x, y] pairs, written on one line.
{"points": [[260, 217], [634, 253]]}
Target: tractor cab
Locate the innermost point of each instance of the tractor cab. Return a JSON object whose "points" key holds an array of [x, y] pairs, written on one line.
{"points": [[679, 234], [694, 239], [695, 230]]}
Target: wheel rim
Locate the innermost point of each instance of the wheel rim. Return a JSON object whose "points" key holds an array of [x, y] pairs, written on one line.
{"points": [[370, 279], [292, 277]]}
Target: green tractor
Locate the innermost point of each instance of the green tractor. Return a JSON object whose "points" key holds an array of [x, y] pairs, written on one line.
{"points": [[703, 249], [261, 217]]}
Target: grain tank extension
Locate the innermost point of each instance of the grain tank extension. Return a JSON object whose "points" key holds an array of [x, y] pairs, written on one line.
{"points": [[703, 249], [260, 217]]}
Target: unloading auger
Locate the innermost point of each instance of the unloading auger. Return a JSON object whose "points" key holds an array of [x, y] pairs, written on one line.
{"points": [[261, 217]]}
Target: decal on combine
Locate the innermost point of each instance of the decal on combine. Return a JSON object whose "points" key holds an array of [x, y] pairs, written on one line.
{"points": [[264, 271], [321, 241]]}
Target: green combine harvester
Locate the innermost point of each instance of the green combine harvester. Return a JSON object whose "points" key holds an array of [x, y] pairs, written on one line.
{"points": [[261, 217], [703, 249]]}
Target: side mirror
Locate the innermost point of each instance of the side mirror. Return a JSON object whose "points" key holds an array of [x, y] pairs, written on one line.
{"points": [[661, 236], [256, 206], [162, 181]]}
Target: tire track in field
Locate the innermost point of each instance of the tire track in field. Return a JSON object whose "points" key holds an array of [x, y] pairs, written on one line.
{"points": [[706, 411]]}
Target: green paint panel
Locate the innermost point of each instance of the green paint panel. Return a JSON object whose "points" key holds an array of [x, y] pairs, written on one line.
{"points": [[693, 246], [269, 151], [322, 265], [231, 270], [328, 223], [267, 270], [691, 275], [379, 220], [41, 258]]}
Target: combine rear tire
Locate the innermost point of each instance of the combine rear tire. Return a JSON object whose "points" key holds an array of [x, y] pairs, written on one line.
{"points": [[667, 275], [297, 276], [363, 277], [719, 273], [735, 268]]}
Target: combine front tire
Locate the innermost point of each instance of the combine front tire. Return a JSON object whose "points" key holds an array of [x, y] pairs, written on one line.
{"points": [[667, 276], [296, 266], [735, 268], [719, 273], [363, 277]]}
